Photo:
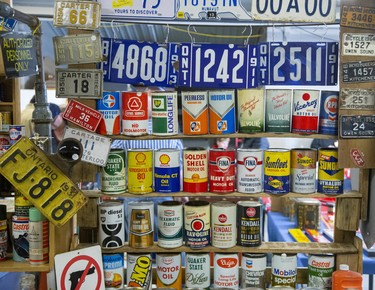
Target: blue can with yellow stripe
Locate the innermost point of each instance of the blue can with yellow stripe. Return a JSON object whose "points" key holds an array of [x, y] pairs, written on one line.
{"points": [[330, 176], [277, 171]]}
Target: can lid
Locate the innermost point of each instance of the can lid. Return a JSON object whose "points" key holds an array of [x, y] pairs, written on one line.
{"points": [[35, 215], [344, 267], [3, 212]]}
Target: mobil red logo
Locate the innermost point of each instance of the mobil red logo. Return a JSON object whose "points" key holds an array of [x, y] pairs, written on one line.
{"points": [[222, 218], [227, 262], [250, 211]]}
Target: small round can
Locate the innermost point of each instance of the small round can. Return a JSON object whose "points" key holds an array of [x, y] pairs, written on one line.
{"points": [[303, 170], [170, 224], [113, 266], [320, 269], [330, 176], [195, 160], [15, 133], [168, 270], [167, 170], [276, 171], [140, 174], [223, 223], [197, 270], [141, 224], [114, 173], [164, 113], [249, 223], [222, 170], [284, 270], [253, 270], [249, 170], [197, 223], [226, 270], [139, 271], [135, 113]]}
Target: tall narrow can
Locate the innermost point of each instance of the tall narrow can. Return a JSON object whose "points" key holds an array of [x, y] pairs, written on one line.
{"points": [[249, 223], [320, 269], [141, 224], [329, 104], [195, 160], [305, 111], [278, 110], [140, 168], [222, 170], [197, 223], [168, 270], [195, 113], [139, 271], [114, 173], [223, 224], [253, 270], [330, 176], [222, 112], [3, 232], [38, 237], [113, 266], [109, 106], [135, 113], [20, 228], [167, 170], [170, 224], [277, 171], [249, 170], [284, 270], [164, 113], [197, 270], [303, 170], [250, 104], [226, 270]]}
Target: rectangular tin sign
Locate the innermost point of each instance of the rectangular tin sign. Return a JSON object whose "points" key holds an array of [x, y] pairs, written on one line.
{"points": [[357, 99], [358, 72], [361, 44], [357, 126], [358, 17]]}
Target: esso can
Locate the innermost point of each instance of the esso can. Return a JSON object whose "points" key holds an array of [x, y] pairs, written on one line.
{"points": [[223, 224], [197, 223], [168, 270], [197, 270], [278, 110], [140, 168], [320, 269], [141, 224], [226, 270], [113, 266], [164, 113], [222, 170], [170, 224], [253, 270], [284, 270], [249, 170], [249, 223], [20, 231], [167, 170], [195, 160], [194, 113], [114, 173], [135, 113], [303, 170], [222, 112], [277, 171], [139, 271], [250, 107], [329, 104], [109, 106], [330, 176], [305, 111]]}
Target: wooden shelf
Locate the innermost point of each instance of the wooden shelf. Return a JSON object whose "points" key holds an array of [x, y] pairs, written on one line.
{"points": [[3, 104], [13, 266]]}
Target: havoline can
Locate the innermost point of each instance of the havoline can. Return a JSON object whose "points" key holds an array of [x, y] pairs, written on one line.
{"points": [[278, 110], [139, 271], [277, 171], [114, 173], [135, 113], [113, 266], [330, 176], [109, 106], [253, 270], [303, 170], [223, 224], [197, 223], [249, 223], [195, 160], [284, 270], [170, 224], [164, 113], [197, 270], [226, 270], [140, 168], [305, 111], [167, 170], [222, 170], [329, 104], [168, 270], [250, 107], [249, 170], [320, 269], [141, 224], [222, 112], [195, 113]]}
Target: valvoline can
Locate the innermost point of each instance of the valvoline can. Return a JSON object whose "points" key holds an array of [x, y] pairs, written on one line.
{"points": [[109, 106], [328, 112]]}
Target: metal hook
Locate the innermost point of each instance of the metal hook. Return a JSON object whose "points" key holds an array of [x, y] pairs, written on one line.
{"points": [[113, 29], [167, 37], [191, 37], [325, 31], [246, 41]]}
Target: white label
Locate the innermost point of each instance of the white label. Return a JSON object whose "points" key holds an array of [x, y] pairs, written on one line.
{"points": [[358, 44]]}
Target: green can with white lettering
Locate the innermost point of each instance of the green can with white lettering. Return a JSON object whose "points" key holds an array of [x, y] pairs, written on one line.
{"points": [[164, 113], [320, 269], [114, 173]]}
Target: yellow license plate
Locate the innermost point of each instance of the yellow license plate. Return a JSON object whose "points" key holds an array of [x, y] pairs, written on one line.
{"points": [[30, 171], [358, 17]]}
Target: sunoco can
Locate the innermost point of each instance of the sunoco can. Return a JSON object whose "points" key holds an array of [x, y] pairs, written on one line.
{"points": [[250, 104], [113, 266], [135, 113], [140, 174], [284, 270], [223, 224], [20, 229], [222, 170], [197, 270], [164, 113], [328, 112], [141, 224], [197, 223], [303, 170], [278, 110], [330, 176], [195, 160], [194, 113], [170, 224], [114, 173], [320, 269], [222, 112], [276, 171], [249, 223], [168, 270], [109, 106], [305, 111], [226, 270], [139, 271], [249, 170], [253, 270], [167, 170], [111, 232], [15, 133]]}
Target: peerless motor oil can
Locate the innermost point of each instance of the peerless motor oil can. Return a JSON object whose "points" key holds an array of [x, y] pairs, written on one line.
{"points": [[195, 113]]}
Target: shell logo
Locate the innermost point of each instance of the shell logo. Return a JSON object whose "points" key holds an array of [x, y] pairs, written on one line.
{"points": [[140, 157], [164, 159]]}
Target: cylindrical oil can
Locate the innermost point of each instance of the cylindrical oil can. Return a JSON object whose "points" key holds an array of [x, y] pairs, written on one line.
{"points": [[250, 104], [222, 112], [135, 114], [330, 176], [113, 266], [141, 224], [164, 113], [320, 269], [197, 223], [140, 174], [226, 270], [305, 111], [195, 113], [195, 160], [303, 170], [278, 110], [284, 270], [197, 270], [167, 170], [222, 170], [168, 270], [20, 229], [253, 267], [249, 223], [223, 224], [249, 170], [170, 224], [114, 173], [109, 106], [277, 171], [21, 205], [329, 104], [139, 271]]}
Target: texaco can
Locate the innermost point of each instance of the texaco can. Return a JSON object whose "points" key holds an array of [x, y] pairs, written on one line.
{"points": [[305, 111], [114, 173], [284, 270], [303, 170], [135, 113], [253, 270], [113, 266], [222, 170], [141, 224], [140, 174], [226, 270], [139, 271], [223, 224], [222, 112], [111, 232], [195, 113], [249, 223], [249, 170], [277, 171], [328, 112], [250, 104], [320, 269], [278, 110], [197, 270], [330, 176], [168, 270], [195, 160], [197, 223], [167, 170], [170, 224], [109, 106], [164, 113]]}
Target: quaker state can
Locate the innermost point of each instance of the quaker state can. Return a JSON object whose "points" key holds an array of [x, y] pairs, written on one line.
{"points": [[111, 232], [303, 170], [330, 176], [222, 112], [305, 111], [226, 270], [195, 160], [168, 270], [329, 102], [141, 224], [249, 223], [167, 170], [284, 270], [135, 113], [223, 224], [140, 168], [195, 113], [222, 170], [278, 110], [253, 270], [249, 170], [113, 266], [250, 108], [197, 223], [197, 270], [164, 113], [170, 224], [276, 171], [109, 106], [139, 271], [320, 269], [114, 173]]}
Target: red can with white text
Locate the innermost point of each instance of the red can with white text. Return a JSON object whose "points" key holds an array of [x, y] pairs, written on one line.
{"points": [[222, 170], [169, 270], [305, 111], [195, 162], [226, 270], [134, 113]]}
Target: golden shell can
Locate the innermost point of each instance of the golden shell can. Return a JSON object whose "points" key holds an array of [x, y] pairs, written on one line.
{"points": [[303, 170], [170, 224], [197, 223], [195, 160], [139, 271], [226, 270], [140, 175], [168, 270], [114, 173], [253, 270], [113, 266], [249, 170], [223, 224], [277, 171], [141, 224], [222, 112], [330, 176], [167, 170], [250, 107], [164, 113], [195, 113], [249, 223], [197, 270], [284, 270]]}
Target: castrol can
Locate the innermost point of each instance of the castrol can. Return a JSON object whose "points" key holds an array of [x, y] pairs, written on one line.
{"points": [[164, 113], [277, 171], [328, 112], [249, 223], [284, 270], [278, 110], [197, 223], [111, 233], [168, 270], [253, 270], [249, 170], [222, 170], [170, 224], [135, 113], [303, 170], [139, 271], [223, 224], [114, 173], [250, 109], [197, 270], [195, 160], [330, 176], [109, 106], [167, 170], [113, 266], [20, 229], [222, 112], [226, 270], [305, 111], [195, 113], [141, 224], [140, 174], [320, 269]]}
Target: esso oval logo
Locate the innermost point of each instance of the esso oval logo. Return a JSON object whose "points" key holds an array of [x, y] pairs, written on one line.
{"points": [[250, 212], [222, 218]]}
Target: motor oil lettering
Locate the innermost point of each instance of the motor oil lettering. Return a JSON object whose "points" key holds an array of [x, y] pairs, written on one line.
{"points": [[253, 270], [197, 223], [109, 106], [195, 169], [168, 270], [223, 221], [195, 112], [226, 270], [222, 112], [305, 111], [249, 223], [250, 110]]}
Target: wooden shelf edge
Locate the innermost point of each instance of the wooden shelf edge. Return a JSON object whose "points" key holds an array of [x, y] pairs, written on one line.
{"points": [[6, 104], [13, 266]]}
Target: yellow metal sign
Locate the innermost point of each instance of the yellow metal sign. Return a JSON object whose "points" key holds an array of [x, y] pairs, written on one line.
{"points": [[358, 17], [30, 171]]}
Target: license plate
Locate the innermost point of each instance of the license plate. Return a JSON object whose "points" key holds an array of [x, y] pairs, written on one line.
{"points": [[358, 17], [30, 171], [82, 115], [358, 44], [95, 147], [358, 72], [357, 99], [80, 14], [82, 83], [357, 126], [82, 48]]}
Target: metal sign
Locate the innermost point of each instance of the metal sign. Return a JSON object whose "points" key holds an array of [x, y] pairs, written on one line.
{"points": [[357, 126], [358, 72], [30, 171], [7, 24], [79, 83], [80, 14], [358, 17], [75, 49], [361, 44], [357, 99], [95, 147]]}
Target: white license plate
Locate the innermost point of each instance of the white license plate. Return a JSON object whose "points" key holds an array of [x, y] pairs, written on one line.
{"points": [[357, 99], [358, 44]]}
